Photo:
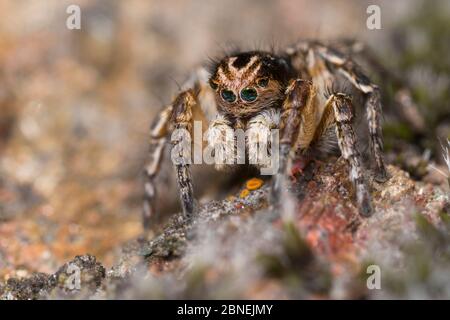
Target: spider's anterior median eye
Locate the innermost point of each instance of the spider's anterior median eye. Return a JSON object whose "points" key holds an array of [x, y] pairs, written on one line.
{"points": [[228, 95], [249, 94], [263, 82]]}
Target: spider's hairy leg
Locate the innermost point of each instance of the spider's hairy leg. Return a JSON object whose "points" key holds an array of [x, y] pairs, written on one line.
{"points": [[298, 95], [406, 106], [158, 138], [372, 104], [373, 107], [194, 102], [178, 114], [343, 115], [182, 117]]}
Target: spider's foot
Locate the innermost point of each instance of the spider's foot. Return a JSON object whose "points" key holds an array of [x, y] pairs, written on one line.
{"points": [[366, 210], [381, 175], [190, 208], [365, 204]]}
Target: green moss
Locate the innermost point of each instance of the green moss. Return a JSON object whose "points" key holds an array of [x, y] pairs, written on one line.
{"points": [[431, 24], [399, 131]]}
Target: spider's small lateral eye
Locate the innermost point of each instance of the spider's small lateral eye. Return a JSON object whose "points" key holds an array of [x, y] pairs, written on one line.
{"points": [[249, 94], [228, 95], [263, 82], [213, 85]]}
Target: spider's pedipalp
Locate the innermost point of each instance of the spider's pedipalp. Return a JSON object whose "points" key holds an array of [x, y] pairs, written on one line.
{"points": [[259, 136], [220, 136]]}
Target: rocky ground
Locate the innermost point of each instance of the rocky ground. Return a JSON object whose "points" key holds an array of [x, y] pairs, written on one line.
{"points": [[319, 247], [75, 107]]}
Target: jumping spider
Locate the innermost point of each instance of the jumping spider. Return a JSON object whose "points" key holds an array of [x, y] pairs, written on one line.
{"points": [[293, 92]]}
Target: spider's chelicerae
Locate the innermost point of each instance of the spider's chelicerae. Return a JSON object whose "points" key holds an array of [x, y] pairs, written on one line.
{"points": [[294, 92]]}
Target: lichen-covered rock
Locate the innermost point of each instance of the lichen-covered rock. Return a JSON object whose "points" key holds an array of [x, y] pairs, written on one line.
{"points": [[315, 246], [82, 274], [79, 278], [34, 287], [241, 240]]}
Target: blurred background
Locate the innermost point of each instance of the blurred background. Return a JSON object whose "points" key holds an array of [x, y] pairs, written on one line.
{"points": [[76, 105]]}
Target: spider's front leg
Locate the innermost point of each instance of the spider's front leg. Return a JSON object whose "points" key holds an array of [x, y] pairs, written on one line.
{"points": [[339, 111], [179, 116], [343, 115], [298, 97], [182, 118], [373, 107]]}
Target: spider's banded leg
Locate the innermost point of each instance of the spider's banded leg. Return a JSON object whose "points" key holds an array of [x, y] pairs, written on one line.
{"points": [[158, 139], [343, 116], [406, 106], [298, 95], [182, 117], [374, 113], [372, 104]]}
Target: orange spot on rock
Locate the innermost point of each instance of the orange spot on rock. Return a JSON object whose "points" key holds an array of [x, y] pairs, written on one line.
{"points": [[254, 184], [244, 193]]}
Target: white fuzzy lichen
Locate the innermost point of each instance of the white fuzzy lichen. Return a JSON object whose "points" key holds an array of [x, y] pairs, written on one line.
{"points": [[446, 154]]}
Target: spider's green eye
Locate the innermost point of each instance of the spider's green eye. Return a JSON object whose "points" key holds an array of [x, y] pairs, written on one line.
{"points": [[228, 95], [213, 85], [263, 82], [249, 94]]}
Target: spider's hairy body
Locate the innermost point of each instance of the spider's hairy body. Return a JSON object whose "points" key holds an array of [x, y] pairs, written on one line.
{"points": [[294, 92], [244, 70]]}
